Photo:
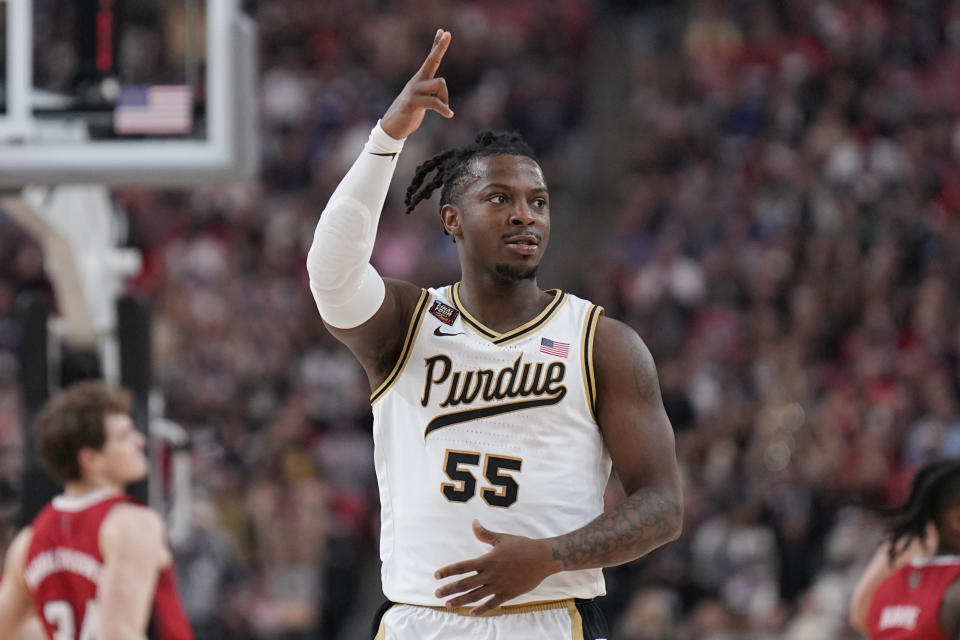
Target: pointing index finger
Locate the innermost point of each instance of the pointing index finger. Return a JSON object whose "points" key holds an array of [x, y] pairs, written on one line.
{"points": [[432, 63]]}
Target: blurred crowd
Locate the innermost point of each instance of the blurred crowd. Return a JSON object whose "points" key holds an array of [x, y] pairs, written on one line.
{"points": [[785, 236]]}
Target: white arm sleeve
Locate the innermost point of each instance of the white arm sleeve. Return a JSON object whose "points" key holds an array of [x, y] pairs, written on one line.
{"points": [[347, 289]]}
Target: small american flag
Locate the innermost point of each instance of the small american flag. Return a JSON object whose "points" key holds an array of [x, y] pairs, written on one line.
{"points": [[554, 348], [159, 109]]}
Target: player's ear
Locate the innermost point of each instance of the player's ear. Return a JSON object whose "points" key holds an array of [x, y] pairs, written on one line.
{"points": [[87, 459], [450, 218]]}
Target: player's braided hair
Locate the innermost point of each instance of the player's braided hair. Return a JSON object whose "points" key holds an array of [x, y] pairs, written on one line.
{"points": [[451, 165], [935, 487]]}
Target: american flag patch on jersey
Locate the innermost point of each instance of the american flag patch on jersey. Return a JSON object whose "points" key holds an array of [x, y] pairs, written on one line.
{"points": [[554, 348]]}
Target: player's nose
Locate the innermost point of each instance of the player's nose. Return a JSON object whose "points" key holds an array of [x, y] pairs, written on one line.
{"points": [[522, 215]]}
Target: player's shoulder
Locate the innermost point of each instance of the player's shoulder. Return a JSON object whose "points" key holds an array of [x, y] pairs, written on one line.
{"points": [[17, 552], [403, 301], [20, 543], [405, 293], [134, 514], [618, 338], [134, 534], [618, 350], [134, 531], [128, 520]]}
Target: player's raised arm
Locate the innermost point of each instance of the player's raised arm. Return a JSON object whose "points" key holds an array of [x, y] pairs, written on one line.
{"points": [[359, 308], [424, 91]]}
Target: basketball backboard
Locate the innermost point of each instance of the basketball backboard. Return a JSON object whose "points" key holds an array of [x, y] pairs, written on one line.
{"points": [[123, 92]]}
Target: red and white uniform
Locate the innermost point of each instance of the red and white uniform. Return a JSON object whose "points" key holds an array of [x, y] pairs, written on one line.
{"points": [[64, 562], [906, 605]]}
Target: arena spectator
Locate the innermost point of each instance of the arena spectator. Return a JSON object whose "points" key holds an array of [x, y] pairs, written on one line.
{"points": [[782, 228]]}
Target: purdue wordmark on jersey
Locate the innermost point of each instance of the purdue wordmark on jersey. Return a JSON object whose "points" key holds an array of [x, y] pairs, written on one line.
{"points": [[475, 423], [529, 385]]}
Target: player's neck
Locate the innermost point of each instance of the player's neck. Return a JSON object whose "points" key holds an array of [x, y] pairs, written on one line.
{"points": [[88, 486], [500, 304]]}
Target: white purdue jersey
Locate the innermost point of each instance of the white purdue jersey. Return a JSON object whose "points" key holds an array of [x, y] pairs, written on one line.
{"points": [[472, 423]]}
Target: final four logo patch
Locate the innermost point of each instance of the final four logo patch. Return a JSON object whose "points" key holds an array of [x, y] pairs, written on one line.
{"points": [[444, 312]]}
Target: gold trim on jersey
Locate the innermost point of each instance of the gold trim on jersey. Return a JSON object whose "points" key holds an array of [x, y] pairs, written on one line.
{"points": [[586, 361], [576, 621], [559, 298], [541, 605], [408, 341]]}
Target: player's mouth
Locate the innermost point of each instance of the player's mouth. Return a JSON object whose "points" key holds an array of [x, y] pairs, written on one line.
{"points": [[525, 244]]}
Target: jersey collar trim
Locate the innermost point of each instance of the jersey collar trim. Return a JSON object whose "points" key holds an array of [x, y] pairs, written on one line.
{"points": [[935, 561], [559, 298], [79, 503]]}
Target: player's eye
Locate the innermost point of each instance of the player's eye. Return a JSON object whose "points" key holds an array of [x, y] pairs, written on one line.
{"points": [[498, 198], [540, 203]]}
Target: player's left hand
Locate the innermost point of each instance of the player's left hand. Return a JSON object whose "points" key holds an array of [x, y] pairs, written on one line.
{"points": [[514, 566]]}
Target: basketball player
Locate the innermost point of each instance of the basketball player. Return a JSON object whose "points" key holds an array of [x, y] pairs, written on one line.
{"points": [[94, 565], [884, 562], [920, 600], [499, 408]]}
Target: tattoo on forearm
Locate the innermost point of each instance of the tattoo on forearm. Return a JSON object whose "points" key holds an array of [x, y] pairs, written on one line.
{"points": [[636, 526]]}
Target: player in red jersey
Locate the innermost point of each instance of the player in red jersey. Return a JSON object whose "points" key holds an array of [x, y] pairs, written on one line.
{"points": [[94, 565], [921, 598]]}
